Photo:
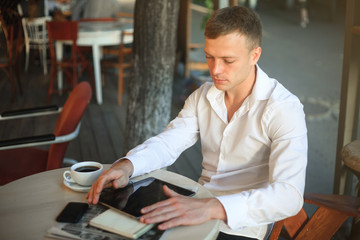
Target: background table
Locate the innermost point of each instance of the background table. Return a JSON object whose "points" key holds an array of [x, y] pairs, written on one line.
{"points": [[96, 35], [29, 206]]}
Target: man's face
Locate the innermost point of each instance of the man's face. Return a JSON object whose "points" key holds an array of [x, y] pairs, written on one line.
{"points": [[231, 62]]}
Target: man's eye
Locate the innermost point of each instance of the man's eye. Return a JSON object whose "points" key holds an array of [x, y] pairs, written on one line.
{"points": [[229, 61]]}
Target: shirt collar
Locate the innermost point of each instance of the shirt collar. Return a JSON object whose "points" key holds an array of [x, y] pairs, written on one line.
{"points": [[263, 85]]}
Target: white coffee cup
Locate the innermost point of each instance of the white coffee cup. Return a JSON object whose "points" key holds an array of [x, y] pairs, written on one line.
{"points": [[83, 173]]}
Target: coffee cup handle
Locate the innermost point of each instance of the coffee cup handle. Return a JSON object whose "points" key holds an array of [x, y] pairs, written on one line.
{"points": [[67, 176]]}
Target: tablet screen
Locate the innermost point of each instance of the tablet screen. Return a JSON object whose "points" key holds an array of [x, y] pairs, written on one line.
{"points": [[137, 195]]}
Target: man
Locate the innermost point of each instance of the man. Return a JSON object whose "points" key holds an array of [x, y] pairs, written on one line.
{"points": [[253, 138]]}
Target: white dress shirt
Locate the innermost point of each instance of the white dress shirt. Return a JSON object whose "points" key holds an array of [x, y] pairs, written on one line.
{"points": [[255, 164]]}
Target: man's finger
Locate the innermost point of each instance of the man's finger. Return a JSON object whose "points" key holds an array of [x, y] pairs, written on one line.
{"points": [[170, 224], [108, 185], [119, 183], [154, 206], [170, 193]]}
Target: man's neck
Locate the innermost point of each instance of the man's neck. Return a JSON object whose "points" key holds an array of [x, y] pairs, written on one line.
{"points": [[234, 100]]}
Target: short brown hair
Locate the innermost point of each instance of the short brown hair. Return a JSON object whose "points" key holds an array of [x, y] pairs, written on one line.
{"points": [[235, 19]]}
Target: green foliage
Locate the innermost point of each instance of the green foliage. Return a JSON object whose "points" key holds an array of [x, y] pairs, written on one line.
{"points": [[209, 5]]}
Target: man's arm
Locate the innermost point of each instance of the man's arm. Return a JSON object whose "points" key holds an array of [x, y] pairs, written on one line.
{"points": [[163, 149], [117, 176], [283, 196], [155, 153]]}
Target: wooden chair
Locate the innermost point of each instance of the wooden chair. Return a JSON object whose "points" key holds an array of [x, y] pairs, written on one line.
{"points": [[19, 158], [36, 38], [119, 57], [125, 17], [350, 155], [11, 28], [184, 38], [324, 223], [66, 31]]}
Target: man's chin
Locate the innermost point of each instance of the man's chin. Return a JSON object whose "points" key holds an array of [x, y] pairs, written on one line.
{"points": [[220, 87]]}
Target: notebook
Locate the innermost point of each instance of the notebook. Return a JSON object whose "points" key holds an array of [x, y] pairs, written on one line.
{"points": [[116, 222]]}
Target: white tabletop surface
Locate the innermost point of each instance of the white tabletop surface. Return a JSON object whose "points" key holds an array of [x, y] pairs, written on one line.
{"points": [[29, 206]]}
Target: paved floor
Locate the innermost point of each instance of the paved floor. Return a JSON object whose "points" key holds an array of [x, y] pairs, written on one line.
{"points": [[309, 63]]}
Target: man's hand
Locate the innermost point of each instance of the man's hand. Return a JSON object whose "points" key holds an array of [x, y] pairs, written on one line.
{"points": [[182, 210], [117, 176]]}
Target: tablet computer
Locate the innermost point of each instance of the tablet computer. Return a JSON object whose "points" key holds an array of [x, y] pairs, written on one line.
{"points": [[137, 195]]}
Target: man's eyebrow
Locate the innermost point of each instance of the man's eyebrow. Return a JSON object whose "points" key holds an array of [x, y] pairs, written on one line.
{"points": [[220, 57], [207, 53]]}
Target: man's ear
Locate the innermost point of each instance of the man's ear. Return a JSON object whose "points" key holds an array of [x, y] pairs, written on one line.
{"points": [[255, 56]]}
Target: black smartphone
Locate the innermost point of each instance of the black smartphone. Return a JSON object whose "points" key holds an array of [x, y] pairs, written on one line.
{"points": [[72, 212]]}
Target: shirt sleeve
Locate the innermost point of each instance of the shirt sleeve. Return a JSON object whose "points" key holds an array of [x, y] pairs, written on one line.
{"points": [[283, 196], [162, 150]]}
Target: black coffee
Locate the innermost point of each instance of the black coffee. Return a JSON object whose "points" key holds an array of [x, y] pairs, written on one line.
{"points": [[87, 169]]}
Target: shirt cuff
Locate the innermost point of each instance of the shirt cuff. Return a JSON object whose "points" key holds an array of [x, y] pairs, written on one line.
{"points": [[235, 216], [135, 172]]}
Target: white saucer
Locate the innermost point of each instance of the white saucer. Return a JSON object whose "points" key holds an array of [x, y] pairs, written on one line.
{"points": [[76, 187]]}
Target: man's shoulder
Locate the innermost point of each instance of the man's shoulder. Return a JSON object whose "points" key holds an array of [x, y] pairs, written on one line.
{"points": [[268, 88], [276, 93], [282, 94]]}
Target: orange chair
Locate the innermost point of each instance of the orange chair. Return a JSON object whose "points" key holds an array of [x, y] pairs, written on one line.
{"points": [[324, 223], [66, 31], [19, 158], [11, 26]]}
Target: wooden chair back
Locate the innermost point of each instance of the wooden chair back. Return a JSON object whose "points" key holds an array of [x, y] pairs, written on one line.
{"points": [[66, 31], [36, 38], [120, 15], [332, 212], [122, 54], [121, 61], [35, 30], [62, 31], [187, 48]]}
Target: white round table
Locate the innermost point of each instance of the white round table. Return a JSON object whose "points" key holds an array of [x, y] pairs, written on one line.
{"points": [[29, 206]]}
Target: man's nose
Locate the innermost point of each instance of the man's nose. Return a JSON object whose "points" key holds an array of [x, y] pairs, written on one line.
{"points": [[217, 67]]}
